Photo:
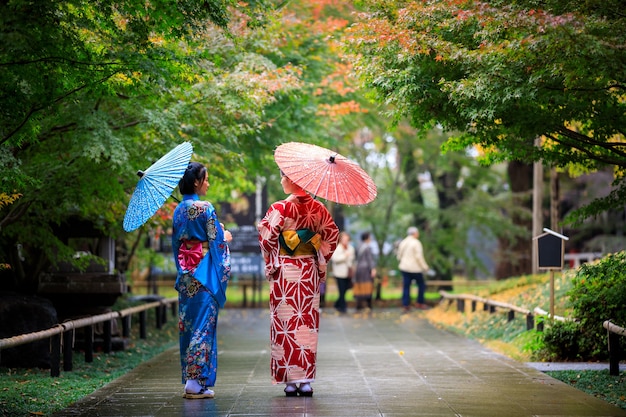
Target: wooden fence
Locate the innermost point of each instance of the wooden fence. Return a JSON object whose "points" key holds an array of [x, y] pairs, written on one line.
{"points": [[614, 331], [574, 260], [62, 335], [492, 306], [615, 351]]}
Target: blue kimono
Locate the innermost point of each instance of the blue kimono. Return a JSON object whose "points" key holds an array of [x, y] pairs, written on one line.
{"points": [[203, 264]]}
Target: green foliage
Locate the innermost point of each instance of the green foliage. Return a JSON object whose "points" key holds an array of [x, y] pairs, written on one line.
{"points": [[599, 294], [94, 91], [502, 74], [563, 341], [327, 108], [530, 342]]}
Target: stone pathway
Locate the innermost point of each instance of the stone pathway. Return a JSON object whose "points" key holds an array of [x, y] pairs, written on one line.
{"points": [[384, 365]]}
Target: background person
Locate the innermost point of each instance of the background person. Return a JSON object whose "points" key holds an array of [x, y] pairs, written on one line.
{"points": [[202, 259], [363, 285], [412, 265], [343, 269], [297, 237]]}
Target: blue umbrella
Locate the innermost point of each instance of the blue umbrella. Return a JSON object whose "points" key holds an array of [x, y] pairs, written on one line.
{"points": [[156, 185]]}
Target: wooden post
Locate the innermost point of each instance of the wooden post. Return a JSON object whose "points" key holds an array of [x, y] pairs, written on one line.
{"points": [[55, 355], [158, 312], [106, 334], [511, 315], [530, 322], [551, 294], [126, 321], [615, 350], [89, 343], [537, 205], [163, 314], [68, 337], [142, 324], [614, 353]]}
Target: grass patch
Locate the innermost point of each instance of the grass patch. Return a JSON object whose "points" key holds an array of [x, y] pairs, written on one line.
{"points": [[600, 384]]}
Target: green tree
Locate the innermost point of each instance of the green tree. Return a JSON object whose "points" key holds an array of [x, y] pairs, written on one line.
{"points": [[505, 73], [449, 197], [95, 91]]}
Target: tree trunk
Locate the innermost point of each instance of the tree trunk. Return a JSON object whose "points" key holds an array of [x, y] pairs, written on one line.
{"points": [[515, 256]]}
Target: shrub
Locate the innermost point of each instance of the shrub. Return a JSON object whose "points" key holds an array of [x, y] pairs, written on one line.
{"points": [[563, 341], [598, 294]]}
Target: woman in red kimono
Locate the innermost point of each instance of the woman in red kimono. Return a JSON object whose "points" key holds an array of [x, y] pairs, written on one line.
{"points": [[298, 237]]}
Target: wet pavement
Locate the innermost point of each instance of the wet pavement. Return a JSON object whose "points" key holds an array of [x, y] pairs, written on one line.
{"points": [[384, 364]]}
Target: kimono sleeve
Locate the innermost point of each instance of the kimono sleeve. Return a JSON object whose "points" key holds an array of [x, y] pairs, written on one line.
{"points": [[214, 269], [269, 229]]}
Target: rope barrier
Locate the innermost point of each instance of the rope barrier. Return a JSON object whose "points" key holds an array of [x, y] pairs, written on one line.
{"points": [[78, 323]]}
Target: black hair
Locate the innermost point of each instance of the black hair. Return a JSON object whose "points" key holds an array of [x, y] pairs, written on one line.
{"points": [[195, 171], [365, 236]]}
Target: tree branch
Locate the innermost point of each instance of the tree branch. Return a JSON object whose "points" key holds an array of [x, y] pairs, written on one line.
{"points": [[56, 100], [15, 213], [594, 156], [57, 59], [611, 146]]}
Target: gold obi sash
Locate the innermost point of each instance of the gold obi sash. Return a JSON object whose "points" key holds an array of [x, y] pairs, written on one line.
{"points": [[193, 242], [299, 242]]}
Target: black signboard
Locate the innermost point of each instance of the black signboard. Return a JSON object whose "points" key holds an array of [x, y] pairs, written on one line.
{"points": [[550, 250], [245, 264], [245, 240]]}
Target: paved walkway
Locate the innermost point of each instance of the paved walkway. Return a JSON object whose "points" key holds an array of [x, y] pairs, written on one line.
{"points": [[389, 365]]}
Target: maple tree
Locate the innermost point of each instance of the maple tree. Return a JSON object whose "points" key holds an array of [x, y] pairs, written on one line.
{"points": [[327, 107], [503, 74], [332, 109]]}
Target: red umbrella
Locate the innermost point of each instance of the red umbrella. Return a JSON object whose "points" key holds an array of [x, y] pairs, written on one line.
{"points": [[325, 173]]}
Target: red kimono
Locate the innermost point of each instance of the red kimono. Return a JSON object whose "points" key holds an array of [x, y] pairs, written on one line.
{"points": [[298, 237]]}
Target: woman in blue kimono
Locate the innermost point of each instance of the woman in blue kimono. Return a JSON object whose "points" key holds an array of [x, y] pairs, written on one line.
{"points": [[200, 246]]}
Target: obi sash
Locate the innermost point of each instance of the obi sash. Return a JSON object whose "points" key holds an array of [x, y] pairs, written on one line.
{"points": [[190, 254], [299, 242]]}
